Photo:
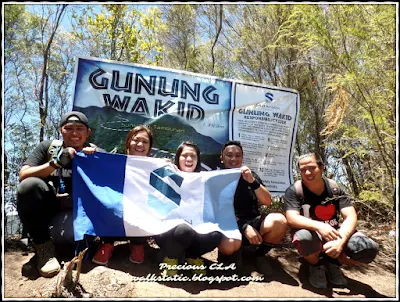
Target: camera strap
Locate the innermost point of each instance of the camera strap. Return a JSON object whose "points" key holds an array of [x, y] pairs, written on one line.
{"points": [[61, 189]]}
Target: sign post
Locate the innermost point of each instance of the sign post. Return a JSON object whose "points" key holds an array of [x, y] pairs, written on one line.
{"points": [[179, 106]]}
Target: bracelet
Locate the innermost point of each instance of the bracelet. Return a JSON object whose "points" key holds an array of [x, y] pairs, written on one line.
{"points": [[254, 185]]}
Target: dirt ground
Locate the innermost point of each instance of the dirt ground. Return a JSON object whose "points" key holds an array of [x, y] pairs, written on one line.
{"points": [[289, 278]]}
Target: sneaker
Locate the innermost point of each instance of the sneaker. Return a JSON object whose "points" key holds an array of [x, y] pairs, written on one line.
{"points": [[199, 264], [263, 266], [171, 262], [47, 262], [237, 258], [228, 260], [137, 253], [103, 253], [221, 257], [335, 275], [317, 276]]}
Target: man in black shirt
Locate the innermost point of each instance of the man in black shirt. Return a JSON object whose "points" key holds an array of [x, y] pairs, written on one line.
{"points": [[46, 186], [250, 194], [313, 216]]}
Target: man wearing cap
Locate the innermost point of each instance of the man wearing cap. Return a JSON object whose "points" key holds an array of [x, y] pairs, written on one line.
{"points": [[46, 184]]}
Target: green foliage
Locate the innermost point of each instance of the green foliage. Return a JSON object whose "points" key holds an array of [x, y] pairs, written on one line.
{"points": [[121, 32], [353, 46], [371, 206], [180, 38], [370, 196], [317, 49], [13, 23]]}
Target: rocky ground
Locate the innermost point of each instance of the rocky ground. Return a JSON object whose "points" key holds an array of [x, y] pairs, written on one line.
{"points": [[289, 278]]}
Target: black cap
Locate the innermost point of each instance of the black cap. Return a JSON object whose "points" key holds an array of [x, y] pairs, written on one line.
{"points": [[74, 117]]}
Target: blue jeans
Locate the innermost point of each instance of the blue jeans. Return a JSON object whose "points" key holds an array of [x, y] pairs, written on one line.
{"points": [[358, 248]]}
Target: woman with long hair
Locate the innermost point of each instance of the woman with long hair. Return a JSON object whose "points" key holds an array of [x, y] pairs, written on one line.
{"points": [[138, 142], [182, 241]]}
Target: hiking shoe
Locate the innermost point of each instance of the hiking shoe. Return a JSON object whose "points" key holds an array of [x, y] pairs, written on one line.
{"points": [[317, 276], [170, 261], [47, 262], [237, 258], [199, 264], [137, 253], [103, 253], [221, 258], [263, 266], [335, 275], [228, 260]]}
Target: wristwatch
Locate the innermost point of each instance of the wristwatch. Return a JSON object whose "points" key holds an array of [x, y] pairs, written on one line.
{"points": [[54, 164]]}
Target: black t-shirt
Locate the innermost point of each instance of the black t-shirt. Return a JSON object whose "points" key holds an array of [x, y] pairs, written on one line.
{"points": [[325, 207], [39, 156], [245, 201]]}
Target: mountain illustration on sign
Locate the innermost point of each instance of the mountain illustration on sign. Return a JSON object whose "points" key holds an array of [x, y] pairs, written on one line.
{"points": [[110, 128]]}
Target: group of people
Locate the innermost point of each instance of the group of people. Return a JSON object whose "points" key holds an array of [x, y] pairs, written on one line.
{"points": [[312, 207]]}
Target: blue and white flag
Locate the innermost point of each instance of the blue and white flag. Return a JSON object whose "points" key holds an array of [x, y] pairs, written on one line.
{"points": [[133, 196]]}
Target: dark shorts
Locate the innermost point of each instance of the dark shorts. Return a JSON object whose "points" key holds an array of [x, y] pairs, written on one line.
{"points": [[255, 223]]}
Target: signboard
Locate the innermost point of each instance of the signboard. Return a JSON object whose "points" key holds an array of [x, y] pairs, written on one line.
{"points": [[180, 106]]}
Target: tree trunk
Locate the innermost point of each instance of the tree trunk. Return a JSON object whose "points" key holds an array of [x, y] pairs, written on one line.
{"points": [[43, 104], [350, 175]]}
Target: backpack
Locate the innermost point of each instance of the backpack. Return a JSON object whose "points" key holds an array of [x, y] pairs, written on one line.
{"points": [[300, 194]]}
